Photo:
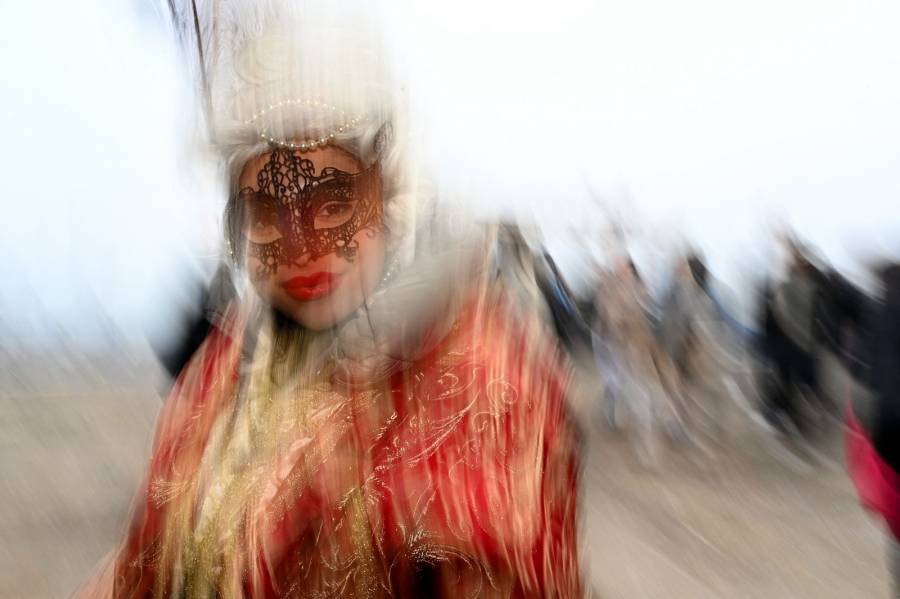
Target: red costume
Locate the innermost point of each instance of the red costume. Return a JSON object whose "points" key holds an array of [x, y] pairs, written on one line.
{"points": [[454, 475]]}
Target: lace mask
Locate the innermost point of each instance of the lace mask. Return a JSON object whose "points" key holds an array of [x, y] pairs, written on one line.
{"points": [[295, 214]]}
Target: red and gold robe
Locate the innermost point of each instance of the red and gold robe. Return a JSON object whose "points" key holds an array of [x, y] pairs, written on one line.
{"points": [[455, 475]]}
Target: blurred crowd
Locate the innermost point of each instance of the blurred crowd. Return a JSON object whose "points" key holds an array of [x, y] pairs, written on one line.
{"points": [[669, 362], [675, 367]]}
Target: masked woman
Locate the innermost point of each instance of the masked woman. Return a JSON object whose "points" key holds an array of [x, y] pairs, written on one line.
{"points": [[370, 417]]}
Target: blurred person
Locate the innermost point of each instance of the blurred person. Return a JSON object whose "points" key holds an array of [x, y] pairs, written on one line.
{"points": [[608, 362], [197, 321], [371, 415], [872, 434], [533, 280], [629, 359], [700, 349], [568, 321], [789, 343], [841, 313], [516, 270]]}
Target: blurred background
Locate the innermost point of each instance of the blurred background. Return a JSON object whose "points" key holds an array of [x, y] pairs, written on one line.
{"points": [[703, 124]]}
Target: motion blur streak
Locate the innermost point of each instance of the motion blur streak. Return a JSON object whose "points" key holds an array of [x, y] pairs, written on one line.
{"points": [[684, 215]]}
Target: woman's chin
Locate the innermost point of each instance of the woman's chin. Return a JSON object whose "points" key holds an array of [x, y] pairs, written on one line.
{"points": [[319, 314]]}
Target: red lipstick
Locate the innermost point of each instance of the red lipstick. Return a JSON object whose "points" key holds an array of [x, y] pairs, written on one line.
{"points": [[311, 287]]}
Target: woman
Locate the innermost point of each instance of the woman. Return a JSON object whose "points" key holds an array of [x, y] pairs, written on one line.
{"points": [[370, 417], [630, 353], [699, 351]]}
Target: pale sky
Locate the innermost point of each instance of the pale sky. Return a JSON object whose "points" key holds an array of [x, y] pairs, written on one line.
{"points": [[710, 120]]}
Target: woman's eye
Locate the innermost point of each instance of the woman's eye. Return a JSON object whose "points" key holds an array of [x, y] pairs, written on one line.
{"points": [[262, 224], [334, 214], [261, 233]]}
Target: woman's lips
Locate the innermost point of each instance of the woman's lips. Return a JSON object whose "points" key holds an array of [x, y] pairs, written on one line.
{"points": [[311, 287]]}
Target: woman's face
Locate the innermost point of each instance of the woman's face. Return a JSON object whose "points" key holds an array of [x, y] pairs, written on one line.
{"points": [[314, 233]]}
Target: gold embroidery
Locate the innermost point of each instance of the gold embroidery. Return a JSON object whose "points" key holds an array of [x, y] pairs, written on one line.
{"points": [[348, 454], [164, 491]]}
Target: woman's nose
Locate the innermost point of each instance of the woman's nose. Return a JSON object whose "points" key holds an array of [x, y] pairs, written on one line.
{"points": [[300, 261]]}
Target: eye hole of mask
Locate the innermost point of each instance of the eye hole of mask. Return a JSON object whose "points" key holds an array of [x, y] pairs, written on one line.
{"points": [[262, 220], [339, 199], [334, 213]]}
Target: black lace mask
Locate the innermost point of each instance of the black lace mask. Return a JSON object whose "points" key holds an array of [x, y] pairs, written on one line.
{"points": [[295, 214]]}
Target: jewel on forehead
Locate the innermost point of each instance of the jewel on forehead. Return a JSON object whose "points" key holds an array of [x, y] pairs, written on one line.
{"points": [[296, 213]]}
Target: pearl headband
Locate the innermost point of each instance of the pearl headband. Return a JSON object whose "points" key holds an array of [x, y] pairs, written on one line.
{"points": [[347, 123]]}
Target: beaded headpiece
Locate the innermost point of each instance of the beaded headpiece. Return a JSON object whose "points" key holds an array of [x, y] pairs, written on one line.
{"points": [[347, 123]]}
